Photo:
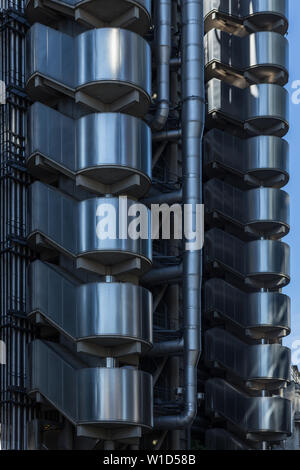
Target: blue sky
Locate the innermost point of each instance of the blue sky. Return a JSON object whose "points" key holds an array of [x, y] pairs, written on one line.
{"points": [[293, 290]]}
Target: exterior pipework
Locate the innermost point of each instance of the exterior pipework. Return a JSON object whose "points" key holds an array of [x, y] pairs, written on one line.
{"points": [[163, 55], [192, 131]]}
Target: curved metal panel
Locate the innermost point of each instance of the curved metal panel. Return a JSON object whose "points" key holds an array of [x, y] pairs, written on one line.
{"points": [[241, 17], [258, 161], [90, 395], [258, 109], [259, 366], [261, 263], [258, 58], [106, 313], [115, 397], [263, 211], [110, 55], [70, 226], [106, 147], [107, 64], [259, 314], [121, 13], [256, 417]]}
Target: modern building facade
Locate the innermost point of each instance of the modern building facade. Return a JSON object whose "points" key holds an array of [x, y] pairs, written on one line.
{"points": [[141, 343]]}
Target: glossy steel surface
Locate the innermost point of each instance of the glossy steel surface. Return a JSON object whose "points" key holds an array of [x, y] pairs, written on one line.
{"points": [[114, 396], [100, 13], [264, 211], [262, 263], [258, 161], [268, 416], [259, 314], [261, 366], [106, 147], [241, 17], [258, 58], [71, 227], [106, 64], [259, 109], [106, 313]]}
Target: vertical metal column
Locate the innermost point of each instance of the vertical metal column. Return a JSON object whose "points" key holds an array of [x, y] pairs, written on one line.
{"points": [[16, 407]]}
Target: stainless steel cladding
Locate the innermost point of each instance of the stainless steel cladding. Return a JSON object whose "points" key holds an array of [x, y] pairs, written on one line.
{"points": [[90, 395], [253, 416], [130, 308], [112, 149], [265, 159], [247, 215], [97, 68], [132, 345], [129, 14], [259, 57], [70, 227], [247, 16], [89, 76]]}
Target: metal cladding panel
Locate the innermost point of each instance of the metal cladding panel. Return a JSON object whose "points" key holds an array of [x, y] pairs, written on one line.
{"points": [[115, 396], [42, 45], [98, 12], [111, 139], [99, 55], [248, 259], [53, 215], [52, 135], [246, 207], [263, 156], [53, 378], [112, 54], [263, 48], [72, 225], [90, 144], [121, 396], [261, 101], [261, 363], [89, 241], [114, 311], [249, 311], [245, 8], [270, 416]]}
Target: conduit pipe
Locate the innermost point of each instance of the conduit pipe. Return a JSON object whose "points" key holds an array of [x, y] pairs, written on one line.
{"points": [[161, 275], [193, 109], [163, 56]]}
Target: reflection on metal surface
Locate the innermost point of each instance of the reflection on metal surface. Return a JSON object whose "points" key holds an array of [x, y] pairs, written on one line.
{"points": [[259, 314], [260, 366], [259, 263], [90, 395], [266, 417], [258, 58], [105, 69], [258, 109], [129, 14], [259, 212], [112, 149], [258, 161], [108, 314], [69, 226], [242, 17]]}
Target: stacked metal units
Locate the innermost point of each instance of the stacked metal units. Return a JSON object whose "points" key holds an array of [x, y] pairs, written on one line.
{"points": [[15, 331], [89, 77], [247, 215]]}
